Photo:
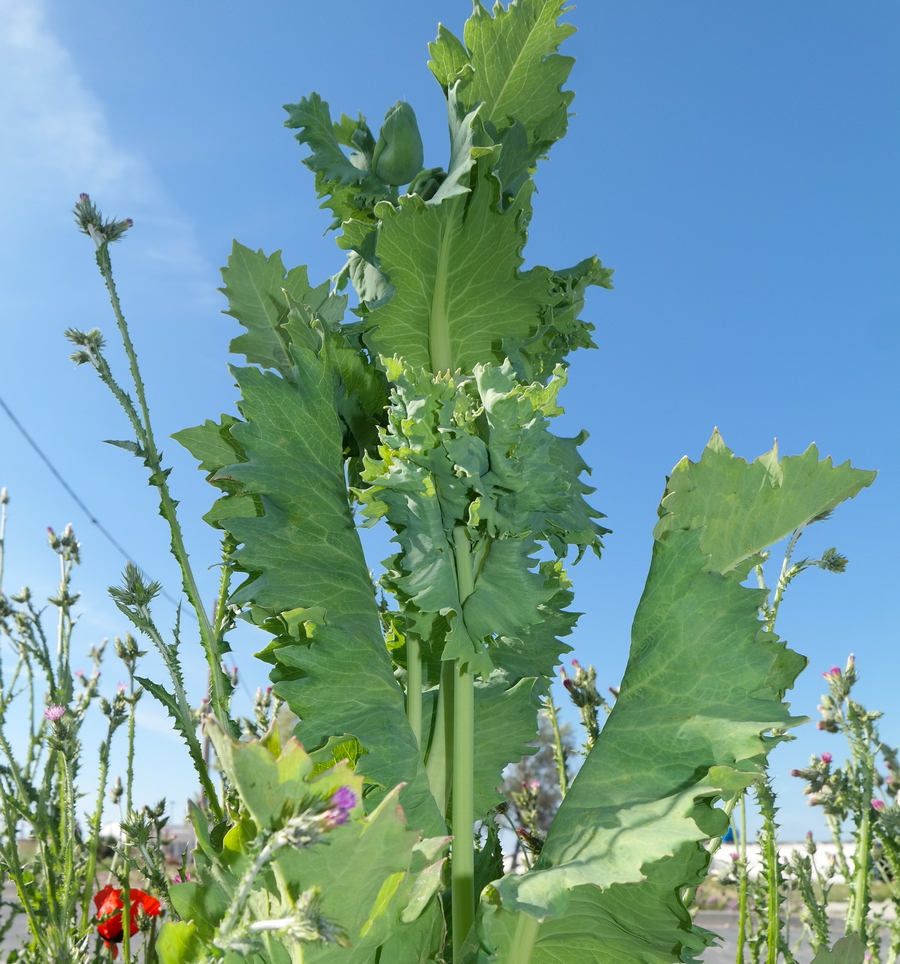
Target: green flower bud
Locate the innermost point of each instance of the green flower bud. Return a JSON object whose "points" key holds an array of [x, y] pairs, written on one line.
{"points": [[427, 182], [398, 154]]}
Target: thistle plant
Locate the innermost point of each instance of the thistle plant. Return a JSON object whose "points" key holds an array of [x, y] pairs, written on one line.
{"points": [[56, 869], [862, 794]]}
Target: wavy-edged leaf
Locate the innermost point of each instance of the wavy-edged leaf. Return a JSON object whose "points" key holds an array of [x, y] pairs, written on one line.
{"points": [[453, 266], [177, 714], [299, 549], [477, 453], [847, 950], [511, 65], [253, 287], [350, 191], [741, 507], [635, 820]]}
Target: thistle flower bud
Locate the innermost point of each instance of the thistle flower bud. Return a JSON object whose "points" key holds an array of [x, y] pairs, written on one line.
{"points": [[531, 840], [399, 153], [878, 805], [826, 758]]}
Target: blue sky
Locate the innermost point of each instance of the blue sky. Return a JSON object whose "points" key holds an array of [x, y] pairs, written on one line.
{"points": [[735, 163]]}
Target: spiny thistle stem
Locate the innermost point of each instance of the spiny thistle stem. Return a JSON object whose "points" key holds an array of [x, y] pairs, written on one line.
{"points": [[559, 751], [103, 233], [94, 839]]}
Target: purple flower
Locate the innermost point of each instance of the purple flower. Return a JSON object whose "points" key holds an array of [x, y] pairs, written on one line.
{"points": [[734, 855], [178, 880], [54, 713], [878, 805], [344, 799], [826, 758]]}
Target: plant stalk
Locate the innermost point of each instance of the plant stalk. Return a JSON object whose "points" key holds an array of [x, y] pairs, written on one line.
{"points": [[524, 939], [439, 760], [559, 751], [462, 868], [414, 686], [742, 886], [218, 694]]}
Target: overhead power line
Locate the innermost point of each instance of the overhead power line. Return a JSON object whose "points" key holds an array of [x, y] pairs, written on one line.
{"points": [[74, 495]]}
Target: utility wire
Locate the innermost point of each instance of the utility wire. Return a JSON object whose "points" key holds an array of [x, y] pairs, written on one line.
{"points": [[59, 478]]}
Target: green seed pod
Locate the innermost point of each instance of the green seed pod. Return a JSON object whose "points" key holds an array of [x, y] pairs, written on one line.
{"points": [[398, 154]]}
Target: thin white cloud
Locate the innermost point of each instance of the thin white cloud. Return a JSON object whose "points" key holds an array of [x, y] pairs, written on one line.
{"points": [[156, 721], [53, 128], [56, 141]]}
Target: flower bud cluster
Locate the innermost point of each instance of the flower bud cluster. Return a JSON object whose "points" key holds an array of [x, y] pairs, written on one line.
{"points": [[264, 702], [127, 650], [825, 787], [527, 803], [582, 690], [90, 222], [840, 683], [65, 544]]}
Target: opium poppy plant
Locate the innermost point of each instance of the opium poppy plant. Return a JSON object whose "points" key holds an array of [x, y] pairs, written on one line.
{"points": [[109, 905]]}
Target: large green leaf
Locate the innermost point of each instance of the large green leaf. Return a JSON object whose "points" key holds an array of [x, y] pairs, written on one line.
{"points": [[741, 507], [630, 833], [453, 265], [255, 286], [509, 64], [288, 510]]}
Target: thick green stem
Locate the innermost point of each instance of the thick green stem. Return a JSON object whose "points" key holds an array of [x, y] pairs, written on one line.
{"points": [[524, 939], [414, 686], [462, 868], [439, 761], [772, 870], [438, 323], [856, 919], [463, 816]]}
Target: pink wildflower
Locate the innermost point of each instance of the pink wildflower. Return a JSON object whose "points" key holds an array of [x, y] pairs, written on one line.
{"points": [[54, 713], [878, 805], [827, 758]]}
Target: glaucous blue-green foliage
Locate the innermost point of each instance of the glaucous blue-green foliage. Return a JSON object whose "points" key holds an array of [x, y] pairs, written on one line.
{"points": [[431, 407]]}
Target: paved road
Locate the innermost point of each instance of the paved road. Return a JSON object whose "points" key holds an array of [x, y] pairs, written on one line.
{"points": [[724, 923]]}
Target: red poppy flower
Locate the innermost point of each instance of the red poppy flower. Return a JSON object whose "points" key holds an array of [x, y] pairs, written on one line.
{"points": [[109, 912]]}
